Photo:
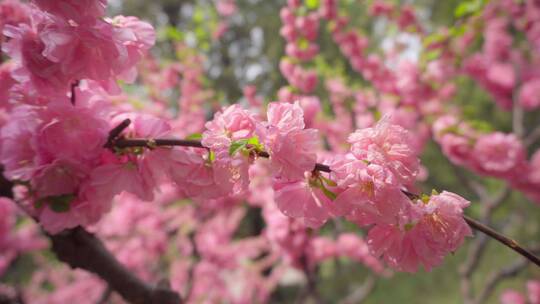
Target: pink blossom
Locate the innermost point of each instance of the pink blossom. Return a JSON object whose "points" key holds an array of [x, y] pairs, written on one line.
{"points": [[26, 48], [85, 139], [226, 7], [12, 12], [388, 145], [512, 297], [83, 209], [109, 180], [502, 75], [6, 83], [230, 125], [498, 154], [436, 229], [18, 154], [73, 9], [148, 126], [457, 148], [533, 289], [371, 193], [529, 94], [61, 177], [7, 221], [291, 147], [299, 200], [54, 52], [137, 37], [193, 173]]}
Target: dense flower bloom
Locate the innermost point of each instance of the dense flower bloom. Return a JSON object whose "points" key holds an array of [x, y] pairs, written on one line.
{"points": [[12, 12], [529, 94], [228, 126], [299, 200], [371, 192], [433, 230], [26, 48], [88, 133], [55, 52], [499, 154], [7, 220], [17, 154], [291, 147], [387, 145]]}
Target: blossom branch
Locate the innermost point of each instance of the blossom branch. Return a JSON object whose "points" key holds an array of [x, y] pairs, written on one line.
{"points": [[80, 249], [508, 242], [151, 143], [478, 248]]}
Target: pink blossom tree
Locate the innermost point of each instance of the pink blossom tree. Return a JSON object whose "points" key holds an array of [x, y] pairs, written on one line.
{"points": [[135, 173]]}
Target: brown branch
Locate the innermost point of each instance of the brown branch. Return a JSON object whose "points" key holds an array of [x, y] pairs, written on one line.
{"points": [[115, 132], [159, 142], [105, 295], [151, 143], [510, 243], [81, 249], [74, 85]]}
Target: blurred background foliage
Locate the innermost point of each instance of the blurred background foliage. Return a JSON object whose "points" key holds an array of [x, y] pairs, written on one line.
{"points": [[249, 53]]}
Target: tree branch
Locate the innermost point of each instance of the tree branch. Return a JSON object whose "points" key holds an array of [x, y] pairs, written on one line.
{"points": [[510, 243], [81, 249], [151, 143]]}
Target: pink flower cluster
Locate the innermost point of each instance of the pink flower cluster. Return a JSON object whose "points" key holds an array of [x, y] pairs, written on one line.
{"points": [[60, 116], [493, 154], [14, 241], [505, 71], [300, 32], [55, 143], [60, 46]]}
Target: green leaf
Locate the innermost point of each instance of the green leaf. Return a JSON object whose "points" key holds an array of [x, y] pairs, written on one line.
{"points": [[329, 182], [174, 34], [432, 54], [303, 43], [468, 8], [211, 156], [409, 226], [312, 4], [480, 125], [254, 141], [331, 195], [433, 38], [237, 145], [194, 136]]}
